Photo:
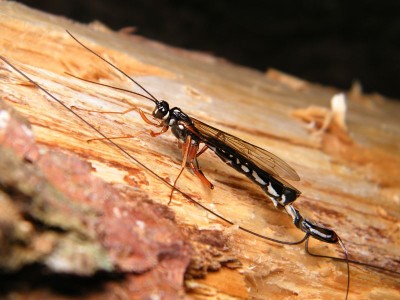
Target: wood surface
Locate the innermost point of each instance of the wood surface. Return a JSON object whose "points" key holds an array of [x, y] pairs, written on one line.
{"points": [[350, 172]]}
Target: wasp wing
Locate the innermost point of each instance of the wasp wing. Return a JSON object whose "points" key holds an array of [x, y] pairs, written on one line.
{"points": [[262, 158]]}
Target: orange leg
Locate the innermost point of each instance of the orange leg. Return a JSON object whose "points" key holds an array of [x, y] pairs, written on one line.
{"points": [[204, 149], [189, 155], [152, 133], [142, 114], [173, 188], [185, 150], [196, 170], [120, 137], [163, 129], [148, 121]]}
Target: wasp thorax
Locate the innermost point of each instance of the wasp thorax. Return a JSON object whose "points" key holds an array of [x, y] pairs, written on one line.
{"points": [[162, 109]]}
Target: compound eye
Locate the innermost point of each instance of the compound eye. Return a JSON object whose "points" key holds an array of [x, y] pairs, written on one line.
{"points": [[161, 110]]}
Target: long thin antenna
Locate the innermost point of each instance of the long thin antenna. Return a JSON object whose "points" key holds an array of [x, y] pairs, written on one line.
{"points": [[110, 86], [147, 168], [155, 100]]}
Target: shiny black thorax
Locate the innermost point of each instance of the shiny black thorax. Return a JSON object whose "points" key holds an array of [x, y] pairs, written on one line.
{"points": [[179, 122], [175, 119]]}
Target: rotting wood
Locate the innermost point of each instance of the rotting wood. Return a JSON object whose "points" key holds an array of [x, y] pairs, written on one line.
{"points": [[352, 188]]}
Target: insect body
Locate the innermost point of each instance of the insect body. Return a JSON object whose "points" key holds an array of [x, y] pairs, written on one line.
{"points": [[241, 156]]}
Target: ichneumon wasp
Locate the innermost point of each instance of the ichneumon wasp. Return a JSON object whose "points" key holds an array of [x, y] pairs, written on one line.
{"points": [[260, 166], [268, 173]]}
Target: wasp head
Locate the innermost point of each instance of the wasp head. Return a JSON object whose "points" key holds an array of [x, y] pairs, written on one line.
{"points": [[161, 111]]}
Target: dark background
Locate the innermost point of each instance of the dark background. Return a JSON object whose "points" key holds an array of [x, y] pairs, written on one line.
{"points": [[326, 41]]}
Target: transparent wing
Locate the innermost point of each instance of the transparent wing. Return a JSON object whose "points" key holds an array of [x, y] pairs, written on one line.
{"points": [[262, 158]]}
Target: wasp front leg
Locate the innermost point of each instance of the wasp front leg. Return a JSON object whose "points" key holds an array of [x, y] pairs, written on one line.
{"points": [[156, 124]]}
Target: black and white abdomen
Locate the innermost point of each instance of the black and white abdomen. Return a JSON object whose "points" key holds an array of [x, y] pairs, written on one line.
{"points": [[278, 192]]}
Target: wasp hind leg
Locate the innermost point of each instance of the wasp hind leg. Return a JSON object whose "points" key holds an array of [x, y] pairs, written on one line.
{"points": [[189, 158]]}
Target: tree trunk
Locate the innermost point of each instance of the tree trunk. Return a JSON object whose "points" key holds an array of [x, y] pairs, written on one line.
{"points": [[348, 161]]}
